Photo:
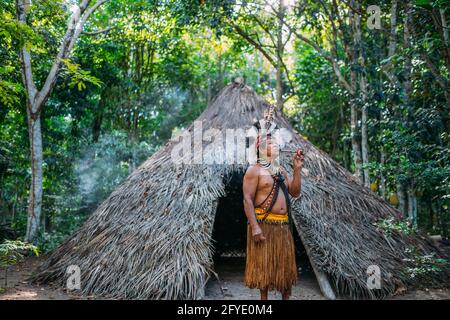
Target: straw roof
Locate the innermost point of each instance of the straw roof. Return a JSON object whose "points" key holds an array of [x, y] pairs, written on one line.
{"points": [[151, 238]]}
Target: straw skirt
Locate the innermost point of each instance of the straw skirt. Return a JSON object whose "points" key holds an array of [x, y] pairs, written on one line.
{"points": [[271, 264]]}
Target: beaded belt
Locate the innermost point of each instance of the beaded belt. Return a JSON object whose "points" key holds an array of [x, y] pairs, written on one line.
{"points": [[271, 217]]}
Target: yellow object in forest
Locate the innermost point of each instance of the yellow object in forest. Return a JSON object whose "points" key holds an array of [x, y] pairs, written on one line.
{"points": [[373, 186], [393, 199]]}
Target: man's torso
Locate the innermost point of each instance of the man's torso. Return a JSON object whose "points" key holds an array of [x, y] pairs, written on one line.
{"points": [[265, 183]]}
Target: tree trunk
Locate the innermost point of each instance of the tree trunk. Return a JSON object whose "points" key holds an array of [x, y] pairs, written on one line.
{"points": [[221, 76], [388, 69], [401, 198], [35, 196], [345, 152], [279, 89], [259, 63], [96, 127], [382, 175], [36, 99], [412, 206], [364, 131], [445, 38], [97, 122], [356, 148], [359, 58], [407, 85], [279, 61], [354, 130], [209, 90], [430, 208]]}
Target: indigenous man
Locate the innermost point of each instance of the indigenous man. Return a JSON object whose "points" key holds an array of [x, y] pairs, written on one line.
{"points": [[270, 261]]}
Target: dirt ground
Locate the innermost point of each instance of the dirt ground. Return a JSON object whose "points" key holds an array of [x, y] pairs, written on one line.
{"points": [[229, 287]]}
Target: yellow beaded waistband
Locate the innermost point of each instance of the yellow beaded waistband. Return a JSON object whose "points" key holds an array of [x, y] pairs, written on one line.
{"points": [[272, 217]]}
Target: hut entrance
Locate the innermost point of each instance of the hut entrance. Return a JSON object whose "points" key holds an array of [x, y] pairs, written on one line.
{"points": [[230, 234]]}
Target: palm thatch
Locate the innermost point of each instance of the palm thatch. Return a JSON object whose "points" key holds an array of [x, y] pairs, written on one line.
{"points": [[151, 238]]}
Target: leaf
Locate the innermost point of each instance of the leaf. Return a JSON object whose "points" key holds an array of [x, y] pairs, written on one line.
{"points": [[81, 86], [423, 3]]}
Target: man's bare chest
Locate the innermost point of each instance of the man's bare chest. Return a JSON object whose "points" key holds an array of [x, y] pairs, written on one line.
{"points": [[266, 182]]}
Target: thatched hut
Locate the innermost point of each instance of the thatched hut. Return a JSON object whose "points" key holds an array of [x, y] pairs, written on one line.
{"points": [[152, 237]]}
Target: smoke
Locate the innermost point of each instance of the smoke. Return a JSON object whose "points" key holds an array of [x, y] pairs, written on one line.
{"points": [[105, 164]]}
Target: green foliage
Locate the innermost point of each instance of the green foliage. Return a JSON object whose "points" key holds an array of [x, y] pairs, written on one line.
{"points": [[80, 77], [16, 35], [420, 266], [9, 91], [48, 241], [391, 225], [12, 252], [321, 111]]}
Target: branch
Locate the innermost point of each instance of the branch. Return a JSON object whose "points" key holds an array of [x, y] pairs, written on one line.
{"points": [[331, 18], [258, 46], [27, 72], [393, 34], [326, 55], [62, 54], [93, 33], [84, 5], [440, 79], [288, 97], [341, 79], [334, 53], [355, 10], [79, 16], [304, 39], [443, 83], [339, 19], [82, 22], [287, 39], [440, 23], [265, 29], [334, 40], [387, 68], [444, 27], [286, 71]]}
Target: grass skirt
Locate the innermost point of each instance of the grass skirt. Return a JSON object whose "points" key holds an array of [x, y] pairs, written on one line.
{"points": [[271, 264]]}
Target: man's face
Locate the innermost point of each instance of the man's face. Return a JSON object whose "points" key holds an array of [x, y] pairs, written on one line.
{"points": [[269, 148]]}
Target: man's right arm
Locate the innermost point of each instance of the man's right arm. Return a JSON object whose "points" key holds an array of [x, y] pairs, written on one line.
{"points": [[249, 187]]}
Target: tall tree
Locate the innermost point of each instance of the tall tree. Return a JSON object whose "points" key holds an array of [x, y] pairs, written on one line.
{"points": [[345, 42], [263, 25], [36, 98]]}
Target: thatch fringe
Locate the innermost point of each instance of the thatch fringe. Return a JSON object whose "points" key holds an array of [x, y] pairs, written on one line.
{"points": [[151, 238]]}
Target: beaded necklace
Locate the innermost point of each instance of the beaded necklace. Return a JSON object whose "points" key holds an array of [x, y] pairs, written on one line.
{"points": [[274, 169]]}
